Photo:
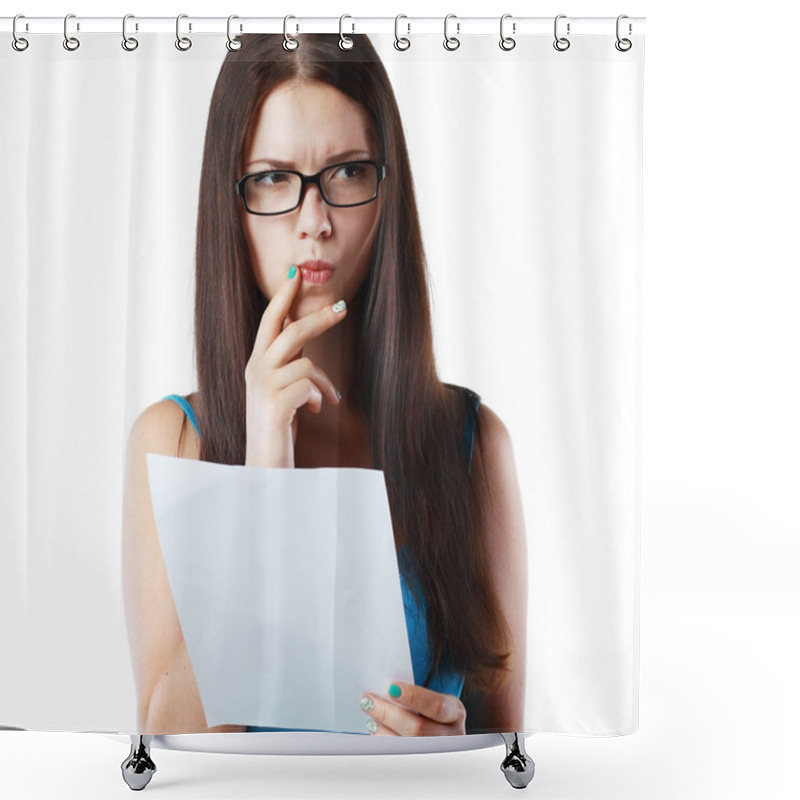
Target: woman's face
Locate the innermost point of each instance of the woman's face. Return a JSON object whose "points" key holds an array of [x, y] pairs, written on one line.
{"points": [[307, 126]]}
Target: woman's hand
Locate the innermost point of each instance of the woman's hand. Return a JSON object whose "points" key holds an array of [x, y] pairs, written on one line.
{"points": [[414, 711], [279, 381]]}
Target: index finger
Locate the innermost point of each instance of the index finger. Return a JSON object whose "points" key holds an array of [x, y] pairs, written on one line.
{"points": [[444, 708], [275, 313], [289, 344]]}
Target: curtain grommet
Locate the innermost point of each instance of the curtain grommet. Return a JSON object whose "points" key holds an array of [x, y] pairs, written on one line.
{"points": [[183, 43], [129, 43], [451, 42], [561, 43], [401, 43], [345, 42], [70, 43], [19, 43], [233, 44], [289, 42], [623, 45], [506, 42]]}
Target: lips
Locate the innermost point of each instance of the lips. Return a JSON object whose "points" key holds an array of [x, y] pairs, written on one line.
{"points": [[316, 271]]}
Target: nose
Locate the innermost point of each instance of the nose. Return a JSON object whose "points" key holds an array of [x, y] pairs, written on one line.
{"points": [[313, 217]]}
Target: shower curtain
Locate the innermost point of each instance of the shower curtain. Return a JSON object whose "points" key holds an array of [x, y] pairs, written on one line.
{"points": [[501, 207]]}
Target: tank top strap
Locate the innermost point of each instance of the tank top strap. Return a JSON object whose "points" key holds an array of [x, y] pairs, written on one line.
{"points": [[187, 407], [473, 402]]}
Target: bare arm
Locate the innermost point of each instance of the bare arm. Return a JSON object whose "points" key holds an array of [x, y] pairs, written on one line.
{"points": [[503, 709], [168, 699]]}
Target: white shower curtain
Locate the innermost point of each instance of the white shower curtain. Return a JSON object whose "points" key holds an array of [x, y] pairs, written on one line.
{"points": [[527, 174]]}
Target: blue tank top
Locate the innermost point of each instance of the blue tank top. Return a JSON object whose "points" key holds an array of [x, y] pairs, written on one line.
{"points": [[446, 679]]}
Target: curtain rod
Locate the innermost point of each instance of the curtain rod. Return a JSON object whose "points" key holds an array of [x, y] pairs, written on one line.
{"points": [[407, 25]]}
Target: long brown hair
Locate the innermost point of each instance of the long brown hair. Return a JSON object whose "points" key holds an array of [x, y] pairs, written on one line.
{"points": [[415, 422]]}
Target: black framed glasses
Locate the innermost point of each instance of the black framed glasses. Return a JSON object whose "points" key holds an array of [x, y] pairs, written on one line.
{"points": [[278, 191]]}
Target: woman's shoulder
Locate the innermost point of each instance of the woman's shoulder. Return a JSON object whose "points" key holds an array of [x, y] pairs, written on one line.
{"points": [[164, 428], [492, 427], [494, 451], [494, 435], [464, 391], [485, 415]]}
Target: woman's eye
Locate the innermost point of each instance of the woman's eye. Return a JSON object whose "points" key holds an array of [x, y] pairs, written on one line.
{"points": [[270, 179], [352, 171]]}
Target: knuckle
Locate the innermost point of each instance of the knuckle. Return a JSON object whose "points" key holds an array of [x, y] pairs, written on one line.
{"points": [[251, 376], [309, 386], [418, 726], [257, 378]]}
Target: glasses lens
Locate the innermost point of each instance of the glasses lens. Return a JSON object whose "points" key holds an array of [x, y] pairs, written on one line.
{"points": [[272, 192], [350, 184]]}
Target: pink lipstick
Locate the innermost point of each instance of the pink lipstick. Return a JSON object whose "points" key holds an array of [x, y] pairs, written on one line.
{"points": [[316, 271]]}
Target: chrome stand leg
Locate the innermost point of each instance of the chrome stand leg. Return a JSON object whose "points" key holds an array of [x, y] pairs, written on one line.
{"points": [[518, 766], [138, 768]]}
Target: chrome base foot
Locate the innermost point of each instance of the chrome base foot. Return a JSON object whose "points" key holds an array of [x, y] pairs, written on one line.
{"points": [[138, 768], [517, 766]]}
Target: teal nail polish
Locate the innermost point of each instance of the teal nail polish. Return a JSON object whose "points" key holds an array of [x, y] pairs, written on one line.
{"points": [[292, 271], [394, 690]]}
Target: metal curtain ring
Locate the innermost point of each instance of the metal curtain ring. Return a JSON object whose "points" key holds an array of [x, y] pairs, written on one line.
{"points": [[182, 42], [345, 42], [289, 42], [506, 42], [18, 43], [623, 45], [561, 43], [128, 42], [401, 43], [70, 42], [233, 43], [451, 42]]}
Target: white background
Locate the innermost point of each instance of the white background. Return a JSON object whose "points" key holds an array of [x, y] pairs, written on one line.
{"points": [[720, 523]]}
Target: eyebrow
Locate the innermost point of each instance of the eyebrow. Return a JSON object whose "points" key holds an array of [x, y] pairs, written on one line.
{"points": [[336, 159]]}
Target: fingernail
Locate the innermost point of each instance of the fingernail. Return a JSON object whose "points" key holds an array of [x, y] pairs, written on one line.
{"points": [[339, 306], [394, 690], [338, 395], [367, 704], [292, 271], [372, 726]]}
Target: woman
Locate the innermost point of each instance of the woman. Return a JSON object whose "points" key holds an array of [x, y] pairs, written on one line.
{"points": [[314, 349]]}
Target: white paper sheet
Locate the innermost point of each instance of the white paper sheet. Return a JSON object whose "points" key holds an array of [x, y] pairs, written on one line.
{"points": [[287, 588]]}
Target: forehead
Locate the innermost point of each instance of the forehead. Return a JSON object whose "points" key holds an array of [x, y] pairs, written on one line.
{"points": [[307, 120]]}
